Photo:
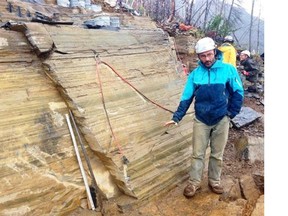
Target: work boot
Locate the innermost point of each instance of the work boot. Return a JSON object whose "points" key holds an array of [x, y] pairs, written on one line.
{"points": [[216, 188], [190, 190]]}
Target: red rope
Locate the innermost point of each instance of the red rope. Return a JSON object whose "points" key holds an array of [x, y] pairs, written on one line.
{"points": [[123, 79], [106, 113]]}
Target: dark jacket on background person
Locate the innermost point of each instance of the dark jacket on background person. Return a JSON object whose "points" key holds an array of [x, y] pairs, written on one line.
{"points": [[250, 66], [218, 91]]}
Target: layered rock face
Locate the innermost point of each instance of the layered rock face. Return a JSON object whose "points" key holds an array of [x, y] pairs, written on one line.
{"points": [[121, 87]]}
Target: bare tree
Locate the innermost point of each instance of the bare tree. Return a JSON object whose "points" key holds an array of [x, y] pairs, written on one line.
{"points": [[157, 10], [186, 3], [189, 9], [220, 14], [258, 31], [230, 12], [206, 14], [172, 11], [222, 7], [195, 23], [251, 25]]}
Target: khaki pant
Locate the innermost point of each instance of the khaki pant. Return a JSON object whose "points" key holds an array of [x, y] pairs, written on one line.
{"points": [[203, 135]]}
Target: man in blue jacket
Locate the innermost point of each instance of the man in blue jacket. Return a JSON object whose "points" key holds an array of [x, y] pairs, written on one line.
{"points": [[218, 93]]}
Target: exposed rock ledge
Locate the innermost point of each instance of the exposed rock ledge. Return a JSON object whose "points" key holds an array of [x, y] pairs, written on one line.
{"points": [[47, 70]]}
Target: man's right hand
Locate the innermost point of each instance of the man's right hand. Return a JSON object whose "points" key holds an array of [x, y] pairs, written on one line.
{"points": [[245, 73], [170, 123]]}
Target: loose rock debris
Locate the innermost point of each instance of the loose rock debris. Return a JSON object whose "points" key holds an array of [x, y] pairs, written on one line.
{"points": [[246, 116]]}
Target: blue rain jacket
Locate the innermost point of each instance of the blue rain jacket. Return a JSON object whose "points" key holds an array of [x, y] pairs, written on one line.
{"points": [[218, 91]]}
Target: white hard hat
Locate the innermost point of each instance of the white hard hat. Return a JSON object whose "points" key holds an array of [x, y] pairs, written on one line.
{"points": [[204, 45], [229, 38], [246, 52]]}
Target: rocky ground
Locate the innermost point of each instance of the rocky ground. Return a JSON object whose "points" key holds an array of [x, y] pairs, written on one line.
{"points": [[232, 166]]}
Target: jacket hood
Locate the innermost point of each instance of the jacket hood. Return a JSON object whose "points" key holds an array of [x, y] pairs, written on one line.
{"points": [[219, 55], [224, 48]]}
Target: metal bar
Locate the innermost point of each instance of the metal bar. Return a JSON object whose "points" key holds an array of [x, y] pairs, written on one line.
{"points": [[80, 162], [94, 183]]}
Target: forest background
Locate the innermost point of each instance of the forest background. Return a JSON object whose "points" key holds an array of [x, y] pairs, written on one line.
{"points": [[242, 19]]}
